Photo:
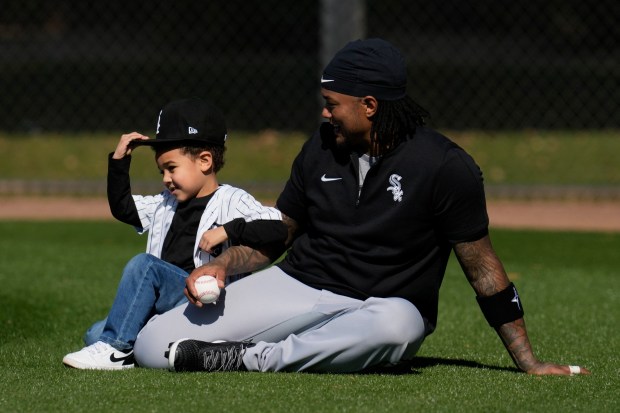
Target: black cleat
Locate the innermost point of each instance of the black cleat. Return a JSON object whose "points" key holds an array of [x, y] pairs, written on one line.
{"points": [[194, 355]]}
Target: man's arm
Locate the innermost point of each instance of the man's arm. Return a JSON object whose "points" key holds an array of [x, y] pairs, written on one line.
{"points": [[487, 276], [239, 260]]}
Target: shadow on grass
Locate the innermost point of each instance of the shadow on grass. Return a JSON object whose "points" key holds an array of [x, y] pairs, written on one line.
{"points": [[419, 363]]}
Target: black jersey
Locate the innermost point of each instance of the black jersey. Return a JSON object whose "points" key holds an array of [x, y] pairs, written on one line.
{"points": [[392, 239]]}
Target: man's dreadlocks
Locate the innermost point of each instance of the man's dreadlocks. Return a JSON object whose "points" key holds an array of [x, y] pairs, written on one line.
{"points": [[393, 122]]}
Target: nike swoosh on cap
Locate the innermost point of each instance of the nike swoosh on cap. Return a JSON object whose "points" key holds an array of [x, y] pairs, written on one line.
{"points": [[323, 80], [326, 179]]}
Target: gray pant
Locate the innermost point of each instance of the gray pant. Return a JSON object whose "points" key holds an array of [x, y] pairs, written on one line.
{"points": [[295, 327]]}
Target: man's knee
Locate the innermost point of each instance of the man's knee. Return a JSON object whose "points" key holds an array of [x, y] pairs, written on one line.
{"points": [[397, 320]]}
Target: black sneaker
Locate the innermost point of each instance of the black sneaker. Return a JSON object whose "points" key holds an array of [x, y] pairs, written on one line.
{"points": [[195, 355]]}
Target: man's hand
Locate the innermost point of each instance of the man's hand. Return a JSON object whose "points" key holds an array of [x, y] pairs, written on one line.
{"points": [[212, 268], [557, 369], [514, 337], [124, 146]]}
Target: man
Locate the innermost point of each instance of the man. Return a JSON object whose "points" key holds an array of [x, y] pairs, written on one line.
{"points": [[375, 204]]}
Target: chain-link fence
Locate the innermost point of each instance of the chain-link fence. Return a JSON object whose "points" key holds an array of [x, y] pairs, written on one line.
{"points": [[73, 65]]}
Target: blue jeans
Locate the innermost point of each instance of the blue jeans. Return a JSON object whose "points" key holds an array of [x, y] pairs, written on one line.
{"points": [[149, 286]]}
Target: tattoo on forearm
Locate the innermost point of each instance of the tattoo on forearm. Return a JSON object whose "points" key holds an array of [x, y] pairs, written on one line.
{"points": [[514, 337], [241, 259], [482, 267]]}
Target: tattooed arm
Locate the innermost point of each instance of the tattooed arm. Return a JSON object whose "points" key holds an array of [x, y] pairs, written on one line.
{"points": [[487, 276], [239, 260]]}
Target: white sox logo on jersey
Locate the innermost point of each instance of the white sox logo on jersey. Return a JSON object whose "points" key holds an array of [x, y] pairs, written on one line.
{"points": [[397, 192]]}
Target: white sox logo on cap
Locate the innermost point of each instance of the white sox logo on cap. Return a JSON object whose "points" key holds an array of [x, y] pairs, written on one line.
{"points": [[158, 122]]}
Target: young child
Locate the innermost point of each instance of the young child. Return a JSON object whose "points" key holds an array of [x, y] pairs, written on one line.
{"points": [[189, 151]]}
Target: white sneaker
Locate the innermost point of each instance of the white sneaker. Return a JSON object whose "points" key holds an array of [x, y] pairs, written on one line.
{"points": [[100, 356]]}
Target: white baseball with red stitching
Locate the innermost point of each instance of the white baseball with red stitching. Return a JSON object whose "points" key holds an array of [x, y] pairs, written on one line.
{"points": [[207, 290]]}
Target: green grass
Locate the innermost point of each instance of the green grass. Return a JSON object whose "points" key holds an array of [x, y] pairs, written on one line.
{"points": [[545, 157], [524, 157], [58, 277], [264, 156]]}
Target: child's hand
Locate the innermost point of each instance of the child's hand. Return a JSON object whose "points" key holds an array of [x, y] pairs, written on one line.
{"points": [[124, 146], [212, 238]]}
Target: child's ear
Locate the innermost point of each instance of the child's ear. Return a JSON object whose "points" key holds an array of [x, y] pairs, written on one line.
{"points": [[206, 161]]}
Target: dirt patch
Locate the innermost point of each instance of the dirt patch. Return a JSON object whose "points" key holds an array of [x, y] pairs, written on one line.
{"points": [[553, 215], [46, 208], [556, 215]]}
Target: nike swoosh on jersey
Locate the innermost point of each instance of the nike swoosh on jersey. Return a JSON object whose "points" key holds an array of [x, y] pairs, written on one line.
{"points": [[326, 179], [326, 80]]}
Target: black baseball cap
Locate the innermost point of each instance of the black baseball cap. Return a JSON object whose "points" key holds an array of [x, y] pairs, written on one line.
{"points": [[370, 67], [191, 121]]}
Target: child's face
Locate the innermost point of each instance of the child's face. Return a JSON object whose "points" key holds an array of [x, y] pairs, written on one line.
{"points": [[184, 176]]}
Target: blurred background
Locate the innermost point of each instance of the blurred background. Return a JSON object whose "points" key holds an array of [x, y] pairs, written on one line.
{"points": [[101, 65], [84, 67]]}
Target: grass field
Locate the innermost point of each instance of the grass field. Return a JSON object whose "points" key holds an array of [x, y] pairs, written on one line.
{"points": [[524, 157], [58, 277]]}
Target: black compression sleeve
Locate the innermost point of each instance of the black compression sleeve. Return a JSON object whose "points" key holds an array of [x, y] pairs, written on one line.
{"points": [[501, 308], [256, 234], [120, 200]]}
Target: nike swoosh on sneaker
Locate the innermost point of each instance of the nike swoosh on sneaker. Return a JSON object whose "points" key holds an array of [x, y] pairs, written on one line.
{"points": [[126, 359], [323, 80], [326, 179]]}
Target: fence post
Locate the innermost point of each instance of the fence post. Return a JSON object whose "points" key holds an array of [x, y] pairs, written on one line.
{"points": [[340, 22]]}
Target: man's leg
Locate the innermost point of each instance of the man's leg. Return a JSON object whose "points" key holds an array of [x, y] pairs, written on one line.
{"points": [[267, 305], [378, 331], [295, 327]]}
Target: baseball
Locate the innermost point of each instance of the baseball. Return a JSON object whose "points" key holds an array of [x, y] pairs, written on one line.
{"points": [[207, 290]]}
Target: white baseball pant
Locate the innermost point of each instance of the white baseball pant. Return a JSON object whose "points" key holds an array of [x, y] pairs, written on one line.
{"points": [[295, 327]]}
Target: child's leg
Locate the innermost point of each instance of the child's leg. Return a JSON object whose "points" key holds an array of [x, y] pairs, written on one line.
{"points": [[148, 286], [94, 332]]}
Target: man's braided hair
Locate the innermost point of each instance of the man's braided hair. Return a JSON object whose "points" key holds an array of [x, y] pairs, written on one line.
{"points": [[394, 121]]}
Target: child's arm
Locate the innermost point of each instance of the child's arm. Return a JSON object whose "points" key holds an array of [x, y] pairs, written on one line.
{"points": [[120, 200], [212, 238], [254, 234]]}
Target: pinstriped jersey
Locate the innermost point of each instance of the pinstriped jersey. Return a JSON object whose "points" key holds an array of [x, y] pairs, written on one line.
{"points": [[227, 203]]}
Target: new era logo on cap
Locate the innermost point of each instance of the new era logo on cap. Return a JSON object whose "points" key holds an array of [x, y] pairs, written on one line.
{"points": [[192, 131]]}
